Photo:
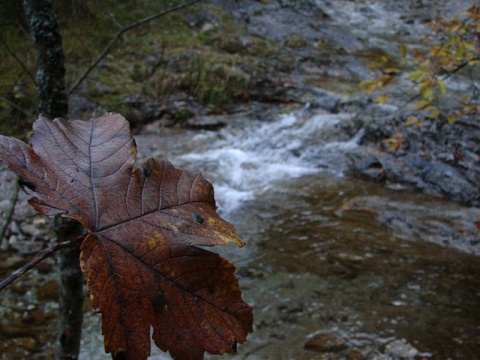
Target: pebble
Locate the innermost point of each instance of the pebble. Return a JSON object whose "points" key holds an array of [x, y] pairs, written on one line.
{"points": [[12, 262], [28, 343], [400, 349], [49, 291], [327, 342]]}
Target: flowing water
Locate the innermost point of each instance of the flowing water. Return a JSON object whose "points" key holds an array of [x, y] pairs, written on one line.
{"points": [[368, 266], [374, 268], [335, 267]]}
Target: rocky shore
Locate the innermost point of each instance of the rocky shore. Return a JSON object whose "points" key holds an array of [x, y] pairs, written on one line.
{"points": [[323, 51], [329, 46], [315, 53]]}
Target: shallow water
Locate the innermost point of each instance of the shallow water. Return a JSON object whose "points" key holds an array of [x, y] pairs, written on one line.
{"points": [[365, 263], [328, 254], [325, 253], [323, 265]]}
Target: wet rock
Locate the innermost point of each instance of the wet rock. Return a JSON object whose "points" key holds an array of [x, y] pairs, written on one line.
{"points": [[267, 88], [48, 291], [15, 329], [400, 349], [211, 123], [9, 350], [38, 317], [153, 113], [448, 180], [44, 267], [327, 342], [376, 355], [36, 227], [339, 317], [28, 343], [320, 99], [355, 355], [19, 289], [431, 159], [12, 262]]}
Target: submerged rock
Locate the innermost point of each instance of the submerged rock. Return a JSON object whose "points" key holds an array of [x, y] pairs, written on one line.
{"points": [[326, 342], [401, 350]]}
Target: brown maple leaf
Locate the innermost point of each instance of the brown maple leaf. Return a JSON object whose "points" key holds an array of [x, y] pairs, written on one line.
{"points": [[145, 269]]}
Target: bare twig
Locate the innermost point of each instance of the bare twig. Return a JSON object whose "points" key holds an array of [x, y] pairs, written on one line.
{"points": [[15, 106], [118, 36], [37, 259], [12, 53], [10, 210]]}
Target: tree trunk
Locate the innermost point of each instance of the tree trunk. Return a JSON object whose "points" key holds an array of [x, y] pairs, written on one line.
{"points": [[53, 103], [71, 292], [46, 35]]}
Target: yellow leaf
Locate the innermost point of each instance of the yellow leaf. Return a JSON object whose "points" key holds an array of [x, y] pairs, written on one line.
{"points": [[422, 104], [426, 90], [428, 95], [471, 47], [369, 85], [460, 51], [391, 71], [384, 59], [436, 51], [453, 40], [434, 111], [394, 143], [441, 86], [403, 50], [412, 120], [451, 119], [416, 76], [381, 99], [384, 79]]}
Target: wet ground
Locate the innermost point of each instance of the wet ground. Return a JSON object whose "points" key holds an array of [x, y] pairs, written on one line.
{"points": [[335, 267], [325, 265], [328, 276]]}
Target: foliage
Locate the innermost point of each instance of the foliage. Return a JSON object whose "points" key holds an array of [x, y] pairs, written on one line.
{"points": [[153, 61], [452, 48], [145, 267], [296, 41]]}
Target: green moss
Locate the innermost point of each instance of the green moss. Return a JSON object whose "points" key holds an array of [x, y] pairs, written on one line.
{"points": [[208, 37], [163, 57], [183, 114], [296, 41], [261, 48]]}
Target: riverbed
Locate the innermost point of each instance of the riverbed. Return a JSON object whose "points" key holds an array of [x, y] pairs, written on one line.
{"points": [[335, 267]]}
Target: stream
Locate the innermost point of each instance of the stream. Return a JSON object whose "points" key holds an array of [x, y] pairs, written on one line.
{"points": [[335, 267]]}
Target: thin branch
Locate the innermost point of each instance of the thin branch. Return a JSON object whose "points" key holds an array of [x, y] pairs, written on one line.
{"points": [[37, 259], [15, 106], [12, 53], [120, 33], [10, 210], [448, 73]]}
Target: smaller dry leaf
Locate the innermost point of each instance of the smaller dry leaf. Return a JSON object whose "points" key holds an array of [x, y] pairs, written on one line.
{"points": [[145, 267]]}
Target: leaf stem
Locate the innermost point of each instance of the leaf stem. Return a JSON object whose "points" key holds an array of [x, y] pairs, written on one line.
{"points": [[37, 259]]}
